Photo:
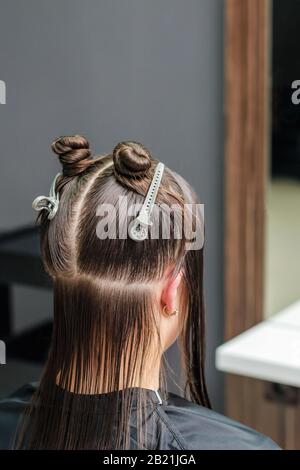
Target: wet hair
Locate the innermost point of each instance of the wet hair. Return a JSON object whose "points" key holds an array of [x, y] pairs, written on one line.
{"points": [[105, 309]]}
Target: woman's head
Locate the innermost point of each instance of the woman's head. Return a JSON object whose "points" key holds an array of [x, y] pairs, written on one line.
{"points": [[114, 297]]}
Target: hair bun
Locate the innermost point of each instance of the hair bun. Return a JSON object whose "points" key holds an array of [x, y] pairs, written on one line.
{"points": [[74, 154], [131, 159]]}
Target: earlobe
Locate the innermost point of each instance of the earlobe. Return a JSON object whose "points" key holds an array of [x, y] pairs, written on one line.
{"points": [[169, 295]]}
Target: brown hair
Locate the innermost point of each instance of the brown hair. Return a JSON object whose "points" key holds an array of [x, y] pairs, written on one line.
{"points": [[104, 307]]}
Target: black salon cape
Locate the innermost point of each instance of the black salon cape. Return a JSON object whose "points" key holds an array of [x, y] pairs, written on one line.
{"points": [[180, 425]]}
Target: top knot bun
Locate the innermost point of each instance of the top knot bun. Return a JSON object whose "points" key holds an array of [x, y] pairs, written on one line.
{"points": [[74, 154], [131, 159]]}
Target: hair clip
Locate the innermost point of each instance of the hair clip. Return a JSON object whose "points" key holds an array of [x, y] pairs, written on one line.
{"points": [[138, 228], [49, 203]]}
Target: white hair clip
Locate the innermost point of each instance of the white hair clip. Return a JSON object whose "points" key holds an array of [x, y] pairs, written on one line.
{"points": [[138, 228], [49, 203]]}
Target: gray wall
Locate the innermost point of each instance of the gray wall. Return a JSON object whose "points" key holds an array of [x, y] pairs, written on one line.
{"points": [[145, 70]]}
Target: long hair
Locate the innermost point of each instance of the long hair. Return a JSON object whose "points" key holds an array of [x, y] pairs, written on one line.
{"points": [[105, 308]]}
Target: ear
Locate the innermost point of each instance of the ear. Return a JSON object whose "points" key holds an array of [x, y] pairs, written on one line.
{"points": [[169, 291]]}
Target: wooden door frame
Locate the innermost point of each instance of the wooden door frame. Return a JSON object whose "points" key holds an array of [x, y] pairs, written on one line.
{"points": [[246, 148], [247, 52]]}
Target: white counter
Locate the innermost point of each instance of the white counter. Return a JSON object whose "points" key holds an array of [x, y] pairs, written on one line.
{"points": [[268, 351]]}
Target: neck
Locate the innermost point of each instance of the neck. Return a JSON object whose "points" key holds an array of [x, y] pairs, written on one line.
{"points": [[95, 380]]}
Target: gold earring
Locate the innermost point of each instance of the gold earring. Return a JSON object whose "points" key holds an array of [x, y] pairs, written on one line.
{"points": [[169, 314]]}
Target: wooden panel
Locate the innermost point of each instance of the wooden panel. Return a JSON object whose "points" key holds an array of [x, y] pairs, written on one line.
{"points": [[246, 402], [246, 144]]}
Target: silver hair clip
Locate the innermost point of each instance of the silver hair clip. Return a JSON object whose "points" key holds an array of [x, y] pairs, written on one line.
{"points": [[138, 228], [49, 203]]}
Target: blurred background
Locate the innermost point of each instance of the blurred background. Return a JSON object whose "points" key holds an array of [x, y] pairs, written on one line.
{"points": [[283, 186]]}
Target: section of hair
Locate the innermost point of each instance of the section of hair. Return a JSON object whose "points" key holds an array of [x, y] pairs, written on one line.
{"points": [[131, 159], [100, 337], [105, 322], [74, 154]]}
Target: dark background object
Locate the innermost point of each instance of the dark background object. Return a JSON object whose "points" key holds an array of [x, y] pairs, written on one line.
{"points": [[20, 263], [285, 161]]}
